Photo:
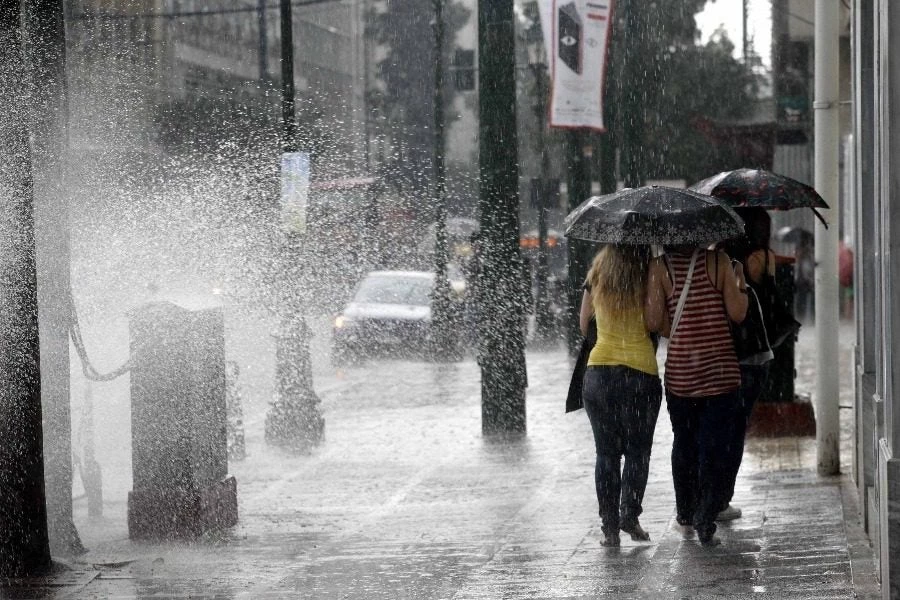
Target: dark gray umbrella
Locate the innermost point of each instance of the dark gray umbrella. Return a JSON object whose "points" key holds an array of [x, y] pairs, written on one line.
{"points": [[763, 189], [654, 215]]}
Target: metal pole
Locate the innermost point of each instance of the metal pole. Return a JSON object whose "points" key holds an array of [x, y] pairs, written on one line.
{"points": [[500, 325], [263, 40], [441, 305], [745, 33], [826, 183], [543, 318], [288, 112], [578, 185], [630, 100], [24, 545]]}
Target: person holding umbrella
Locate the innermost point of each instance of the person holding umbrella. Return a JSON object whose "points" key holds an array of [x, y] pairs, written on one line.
{"points": [[692, 295], [621, 388], [673, 217], [758, 261]]}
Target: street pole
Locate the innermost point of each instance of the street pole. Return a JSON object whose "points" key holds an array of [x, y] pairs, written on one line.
{"points": [[441, 320], [746, 38], [288, 93], [501, 295], [629, 96], [578, 184], [45, 31], [827, 144], [294, 419], [263, 47], [543, 318], [24, 544]]}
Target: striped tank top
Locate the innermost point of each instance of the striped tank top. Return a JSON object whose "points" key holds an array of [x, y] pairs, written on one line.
{"points": [[701, 359]]}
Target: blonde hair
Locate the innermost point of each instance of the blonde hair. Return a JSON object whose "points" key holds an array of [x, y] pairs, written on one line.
{"points": [[618, 277]]}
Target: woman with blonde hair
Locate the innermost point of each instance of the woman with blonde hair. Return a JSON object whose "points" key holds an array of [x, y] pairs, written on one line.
{"points": [[621, 390]]}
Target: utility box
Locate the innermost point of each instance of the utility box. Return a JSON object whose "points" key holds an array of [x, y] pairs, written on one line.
{"points": [[181, 486]]}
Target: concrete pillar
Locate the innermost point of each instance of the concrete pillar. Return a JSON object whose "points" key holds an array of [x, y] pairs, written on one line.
{"points": [[827, 148]]}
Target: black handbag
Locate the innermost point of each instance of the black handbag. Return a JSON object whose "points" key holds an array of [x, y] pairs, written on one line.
{"points": [[750, 335], [573, 398], [779, 319]]}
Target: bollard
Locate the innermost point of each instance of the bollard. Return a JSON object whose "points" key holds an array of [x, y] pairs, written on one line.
{"points": [[178, 423]]}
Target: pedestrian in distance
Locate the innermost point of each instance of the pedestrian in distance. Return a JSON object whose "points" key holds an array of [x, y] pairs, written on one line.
{"points": [[621, 387], [691, 295], [754, 351], [804, 279]]}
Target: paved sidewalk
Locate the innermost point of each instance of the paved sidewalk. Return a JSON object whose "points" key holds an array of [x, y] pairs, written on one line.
{"points": [[406, 499]]}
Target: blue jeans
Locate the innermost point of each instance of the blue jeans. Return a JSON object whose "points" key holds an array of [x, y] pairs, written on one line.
{"points": [[704, 429], [622, 404], [753, 380]]}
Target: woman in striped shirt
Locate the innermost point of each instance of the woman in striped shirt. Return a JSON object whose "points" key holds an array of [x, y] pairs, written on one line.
{"points": [[701, 373]]}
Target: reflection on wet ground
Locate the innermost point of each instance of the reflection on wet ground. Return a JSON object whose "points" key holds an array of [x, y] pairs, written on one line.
{"points": [[406, 499]]}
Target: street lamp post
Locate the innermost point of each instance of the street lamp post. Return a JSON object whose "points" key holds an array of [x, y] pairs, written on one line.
{"points": [[294, 419], [537, 61]]}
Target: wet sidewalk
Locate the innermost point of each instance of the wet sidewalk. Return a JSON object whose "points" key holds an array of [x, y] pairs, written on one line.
{"points": [[406, 499]]}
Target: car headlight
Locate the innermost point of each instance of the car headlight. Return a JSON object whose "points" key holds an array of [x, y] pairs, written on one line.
{"points": [[341, 321]]}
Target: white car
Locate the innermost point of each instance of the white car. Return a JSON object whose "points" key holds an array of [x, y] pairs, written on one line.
{"points": [[390, 312]]}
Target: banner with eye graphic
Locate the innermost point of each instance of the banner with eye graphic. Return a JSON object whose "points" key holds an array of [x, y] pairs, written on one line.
{"points": [[576, 38]]}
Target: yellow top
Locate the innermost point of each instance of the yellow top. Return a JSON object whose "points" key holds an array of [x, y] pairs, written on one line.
{"points": [[622, 340]]}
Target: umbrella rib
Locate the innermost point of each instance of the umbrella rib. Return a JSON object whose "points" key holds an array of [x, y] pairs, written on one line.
{"points": [[820, 217]]}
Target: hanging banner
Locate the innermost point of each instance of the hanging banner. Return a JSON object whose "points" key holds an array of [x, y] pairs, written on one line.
{"points": [[294, 190], [576, 42]]}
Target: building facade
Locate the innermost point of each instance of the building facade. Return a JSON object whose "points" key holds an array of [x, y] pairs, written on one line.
{"points": [[876, 164], [189, 76]]}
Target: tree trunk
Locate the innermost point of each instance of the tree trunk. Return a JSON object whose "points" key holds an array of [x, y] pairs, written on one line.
{"points": [[24, 545], [501, 278], [45, 35]]}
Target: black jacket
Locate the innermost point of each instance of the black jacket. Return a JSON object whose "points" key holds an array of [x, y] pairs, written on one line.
{"points": [[573, 400]]}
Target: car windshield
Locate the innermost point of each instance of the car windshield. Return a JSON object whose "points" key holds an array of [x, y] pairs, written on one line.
{"points": [[394, 289]]}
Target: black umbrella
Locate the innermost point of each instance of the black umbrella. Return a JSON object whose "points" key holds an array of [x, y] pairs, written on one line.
{"points": [[763, 189], [654, 215]]}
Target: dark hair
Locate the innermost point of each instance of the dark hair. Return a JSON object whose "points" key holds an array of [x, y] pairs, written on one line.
{"points": [[759, 226], [757, 231]]}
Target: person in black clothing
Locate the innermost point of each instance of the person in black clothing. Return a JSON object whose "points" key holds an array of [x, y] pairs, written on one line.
{"points": [[758, 261]]}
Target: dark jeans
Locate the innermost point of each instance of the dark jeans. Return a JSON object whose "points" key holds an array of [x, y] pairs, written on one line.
{"points": [[622, 404], [753, 380], [703, 429]]}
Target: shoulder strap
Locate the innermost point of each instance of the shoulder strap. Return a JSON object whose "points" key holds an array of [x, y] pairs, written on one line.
{"points": [[684, 291]]}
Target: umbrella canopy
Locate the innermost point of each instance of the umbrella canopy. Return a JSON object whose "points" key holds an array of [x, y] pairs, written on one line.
{"points": [[763, 189], [654, 215]]}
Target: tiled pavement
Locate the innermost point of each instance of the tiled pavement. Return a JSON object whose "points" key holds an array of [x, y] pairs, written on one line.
{"points": [[406, 499]]}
